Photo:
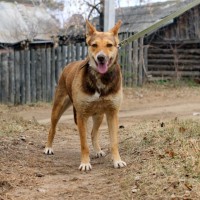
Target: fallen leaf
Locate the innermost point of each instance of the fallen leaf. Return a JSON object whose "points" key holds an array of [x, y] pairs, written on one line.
{"points": [[182, 129]]}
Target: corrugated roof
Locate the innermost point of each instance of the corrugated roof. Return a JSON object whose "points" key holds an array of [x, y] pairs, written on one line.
{"points": [[19, 22]]}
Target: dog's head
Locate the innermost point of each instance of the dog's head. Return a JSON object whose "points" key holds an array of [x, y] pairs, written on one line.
{"points": [[102, 47]]}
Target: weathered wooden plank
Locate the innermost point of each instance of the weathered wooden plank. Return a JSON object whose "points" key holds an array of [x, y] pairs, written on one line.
{"points": [[72, 52], [22, 77], [122, 63], [171, 56], [172, 67], [17, 77], [33, 75], [27, 76], [5, 78], [53, 72], [130, 65], [38, 75], [48, 74], [141, 59], [63, 56], [11, 77], [83, 50], [145, 63], [44, 75], [58, 63], [68, 53], [180, 61], [78, 50], [135, 62], [174, 74], [186, 51]]}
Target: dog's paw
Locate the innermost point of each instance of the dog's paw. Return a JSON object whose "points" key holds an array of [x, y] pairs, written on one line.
{"points": [[119, 164], [100, 154], [48, 151], [85, 167]]}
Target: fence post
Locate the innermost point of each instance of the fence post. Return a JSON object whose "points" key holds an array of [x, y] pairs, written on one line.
{"points": [[44, 74], [53, 72], [33, 76], [22, 81], [11, 77], [72, 52], [17, 78], [68, 53], [141, 59], [4, 78], [38, 75], [63, 63], [78, 51], [135, 62], [27, 76], [83, 53], [48, 56], [58, 63], [129, 65], [145, 63], [122, 63]]}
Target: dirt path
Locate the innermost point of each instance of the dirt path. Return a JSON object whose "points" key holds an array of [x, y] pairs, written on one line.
{"points": [[28, 174]]}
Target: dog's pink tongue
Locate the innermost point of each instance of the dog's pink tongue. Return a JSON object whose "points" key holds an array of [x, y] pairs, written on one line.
{"points": [[102, 68]]}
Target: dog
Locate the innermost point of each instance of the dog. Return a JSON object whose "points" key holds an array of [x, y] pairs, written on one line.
{"points": [[94, 88]]}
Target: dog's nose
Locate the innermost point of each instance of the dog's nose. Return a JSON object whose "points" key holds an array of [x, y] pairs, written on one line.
{"points": [[101, 58]]}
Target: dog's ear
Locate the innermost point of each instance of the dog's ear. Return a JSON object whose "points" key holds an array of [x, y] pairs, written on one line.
{"points": [[115, 29], [90, 29]]}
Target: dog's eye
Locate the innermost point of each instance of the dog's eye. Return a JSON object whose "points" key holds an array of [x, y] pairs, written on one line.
{"points": [[109, 45], [94, 45]]}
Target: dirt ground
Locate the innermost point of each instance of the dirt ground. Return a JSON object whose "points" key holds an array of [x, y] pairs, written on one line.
{"points": [[26, 173]]}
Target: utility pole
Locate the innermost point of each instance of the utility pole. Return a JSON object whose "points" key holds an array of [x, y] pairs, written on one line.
{"points": [[109, 14]]}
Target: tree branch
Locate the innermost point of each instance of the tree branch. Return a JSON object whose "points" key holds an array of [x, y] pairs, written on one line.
{"points": [[94, 6]]}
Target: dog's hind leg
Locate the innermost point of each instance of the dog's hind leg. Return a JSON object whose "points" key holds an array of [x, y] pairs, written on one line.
{"points": [[61, 103], [97, 120]]}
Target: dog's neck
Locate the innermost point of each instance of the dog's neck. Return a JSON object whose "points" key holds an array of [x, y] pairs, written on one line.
{"points": [[104, 84]]}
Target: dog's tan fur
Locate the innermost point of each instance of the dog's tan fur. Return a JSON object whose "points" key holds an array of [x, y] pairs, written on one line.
{"points": [[92, 94]]}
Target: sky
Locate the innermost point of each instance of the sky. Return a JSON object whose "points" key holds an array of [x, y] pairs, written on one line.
{"points": [[78, 6]]}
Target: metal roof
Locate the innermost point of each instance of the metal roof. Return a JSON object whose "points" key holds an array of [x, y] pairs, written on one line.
{"points": [[19, 22]]}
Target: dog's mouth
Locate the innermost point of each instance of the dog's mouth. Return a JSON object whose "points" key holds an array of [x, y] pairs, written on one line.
{"points": [[102, 67]]}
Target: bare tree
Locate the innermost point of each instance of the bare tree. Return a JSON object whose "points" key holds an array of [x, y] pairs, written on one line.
{"points": [[96, 7]]}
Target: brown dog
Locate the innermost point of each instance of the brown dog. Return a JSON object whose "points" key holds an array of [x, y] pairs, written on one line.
{"points": [[94, 88]]}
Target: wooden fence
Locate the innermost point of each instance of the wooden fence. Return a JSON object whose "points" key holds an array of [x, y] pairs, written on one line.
{"points": [[29, 76]]}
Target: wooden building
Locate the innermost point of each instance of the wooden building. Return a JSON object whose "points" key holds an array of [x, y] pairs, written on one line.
{"points": [[169, 48]]}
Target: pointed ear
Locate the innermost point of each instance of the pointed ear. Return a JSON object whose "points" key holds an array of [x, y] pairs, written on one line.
{"points": [[90, 29], [115, 29]]}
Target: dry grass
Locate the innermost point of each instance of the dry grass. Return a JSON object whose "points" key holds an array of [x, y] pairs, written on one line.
{"points": [[164, 160], [163, 157]]}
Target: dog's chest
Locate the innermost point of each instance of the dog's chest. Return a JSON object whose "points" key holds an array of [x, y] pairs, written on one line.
{"points": [[97, 104]]}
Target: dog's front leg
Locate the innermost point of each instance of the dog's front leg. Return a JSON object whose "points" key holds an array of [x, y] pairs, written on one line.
{"points": [[82, 127], [112, 119]]}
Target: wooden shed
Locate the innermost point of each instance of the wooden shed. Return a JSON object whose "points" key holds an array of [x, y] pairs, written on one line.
{"points": [[171, 47]]}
